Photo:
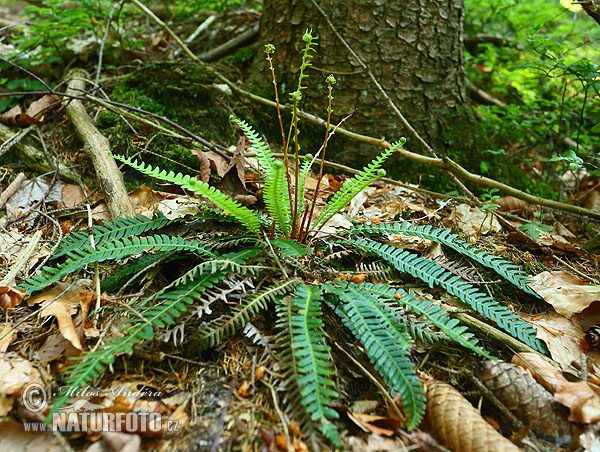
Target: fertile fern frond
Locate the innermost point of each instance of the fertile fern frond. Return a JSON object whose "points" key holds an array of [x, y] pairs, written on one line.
{"points": [[120, 228], [246, 311], [224, 264], [312, 355], [377, 271], [291, 248], [431, 273], [437, 316], [304, 170], [511, 272], [112, 250], [220, 199], [92, 364], [386, 343], [353, 186]]}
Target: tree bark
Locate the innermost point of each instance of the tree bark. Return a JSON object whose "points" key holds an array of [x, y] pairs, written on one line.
{"points": [[414, 49]]}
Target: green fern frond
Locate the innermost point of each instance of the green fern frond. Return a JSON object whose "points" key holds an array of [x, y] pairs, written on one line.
{"points": [[386, 343], [265, 157], [93, 363], [508, 270], [277, 199], [220, 199], [431, 273], [120, 228], [291, 248], [275, 192], [352, 187], [437, 316], [312, 355], [112, 250], [246, 311]]}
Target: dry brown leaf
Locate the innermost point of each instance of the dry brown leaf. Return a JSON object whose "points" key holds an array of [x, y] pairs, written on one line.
{"points": [[562, 337], [582, 401], [7, 333], [71, 195], [545, 372], [375, 424], [14, 438], [472, 220], [65, 322], [217, 162], [567, 293], [16, 117], [63, 293], [512, 204], [42, 106], [15, 374], [62, 302], [10, 297], [204, 165]]}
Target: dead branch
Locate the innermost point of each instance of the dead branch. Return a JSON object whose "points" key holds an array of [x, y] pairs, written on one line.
{"points": [[97, 147], [226, 48]]}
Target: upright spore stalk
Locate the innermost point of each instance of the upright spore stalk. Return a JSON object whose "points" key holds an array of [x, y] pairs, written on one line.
{"points": [[302, 236], [269, 50]]}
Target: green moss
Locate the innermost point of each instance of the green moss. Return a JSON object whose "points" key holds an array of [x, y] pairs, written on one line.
{"points": [[181, 92]]}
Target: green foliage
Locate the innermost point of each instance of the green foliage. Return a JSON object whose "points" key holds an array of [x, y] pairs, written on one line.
{"points": [[431, 273], [544, 68], [246, 311], [291, 248], [386, 343], [433, 314], [446, 237], [534, 229], [111, 250], [312, 357], [221, 200], [354, 186], [57, 33], [119, 228], [137, 266], [140, 328]]}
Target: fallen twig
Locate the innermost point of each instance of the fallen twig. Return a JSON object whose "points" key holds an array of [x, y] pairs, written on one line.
{"points": [[11, 189], [22, 259], [97, 147]]}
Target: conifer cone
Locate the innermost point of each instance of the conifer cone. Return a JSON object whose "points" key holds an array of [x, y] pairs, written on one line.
{"points": [[460, 426], [526, 399]]}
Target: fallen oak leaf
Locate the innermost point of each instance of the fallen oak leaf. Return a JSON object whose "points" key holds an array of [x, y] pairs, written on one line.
{"points": [[65, 322], [6, 336], [567, 293], [10, 297]]}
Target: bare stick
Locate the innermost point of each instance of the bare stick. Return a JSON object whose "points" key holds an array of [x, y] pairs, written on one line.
{"points": [[165, 27], [97, 147], [22, 259], [11, 189]]}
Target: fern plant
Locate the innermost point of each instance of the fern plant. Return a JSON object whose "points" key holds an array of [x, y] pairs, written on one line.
{"points": [[380, 316]]}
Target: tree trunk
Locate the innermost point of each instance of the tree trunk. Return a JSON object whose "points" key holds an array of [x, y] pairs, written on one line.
{"points": [[414, 49]]}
